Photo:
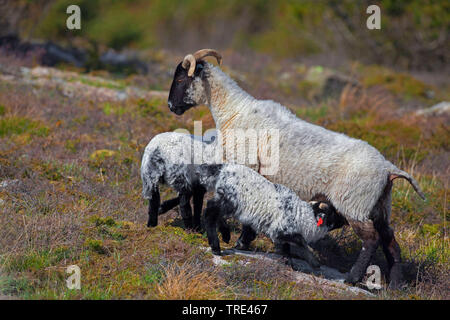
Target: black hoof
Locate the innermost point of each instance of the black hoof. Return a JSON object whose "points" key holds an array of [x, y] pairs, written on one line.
{"points": [[152, 224], [217, 252], [396, 281]]}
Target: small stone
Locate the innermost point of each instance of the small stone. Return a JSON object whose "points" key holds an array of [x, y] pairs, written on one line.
{"points": [[438, 109], [6, 183]]}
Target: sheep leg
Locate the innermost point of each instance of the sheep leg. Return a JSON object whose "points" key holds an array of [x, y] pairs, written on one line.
{"points": [[212, 213], [283, 248], [247, 236], [153, 208], [380, 215], [224, 229], [305, 251], [186, 210], [392, 252], [370, 237], [198, 196], [168, 205]]}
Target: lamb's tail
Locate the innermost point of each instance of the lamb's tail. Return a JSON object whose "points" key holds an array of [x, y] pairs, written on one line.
{"points": [[397, 173]]}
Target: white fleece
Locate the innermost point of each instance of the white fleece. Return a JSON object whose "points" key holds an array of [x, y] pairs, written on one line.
{"points": [[313, 160], [269, 208], [168, 158]]}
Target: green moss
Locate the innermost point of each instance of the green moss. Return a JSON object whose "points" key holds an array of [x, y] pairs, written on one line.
{"points": [[431, 229], [100, 221], [111, 233], [36, 260], [435, 251], [56, 171], [284, 290], [308, 89], [72, 145], [191, 238], [110, 109], [99, 157], [312, 114], [400, 84], [14, 286], [410, 209], [17, 125], [107, 227], [80, 120], [95, 245], [153, 274], [151, 108], [52, 171], [390, 136], [101, 83], [32, 261], [102, 154]]}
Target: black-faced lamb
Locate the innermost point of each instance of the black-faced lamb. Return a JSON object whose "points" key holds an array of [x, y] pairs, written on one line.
{"points": [[264, 207], [314, 161]]}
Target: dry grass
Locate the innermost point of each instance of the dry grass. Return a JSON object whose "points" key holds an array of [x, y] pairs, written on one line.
{"points": [[188, 282]]}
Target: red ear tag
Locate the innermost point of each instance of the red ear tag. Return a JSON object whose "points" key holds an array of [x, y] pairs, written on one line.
{"points": [[319, 223]]}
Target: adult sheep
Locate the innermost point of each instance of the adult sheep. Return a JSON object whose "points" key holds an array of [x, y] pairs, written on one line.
{"points": [[314, 162]]}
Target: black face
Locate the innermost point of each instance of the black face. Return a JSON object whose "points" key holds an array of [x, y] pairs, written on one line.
{"points": [[178, 100], [331, 218]]}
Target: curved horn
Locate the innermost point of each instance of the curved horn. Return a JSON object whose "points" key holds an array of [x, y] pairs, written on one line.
{"points": [[200, 54], [189, 60], [323, 206]]}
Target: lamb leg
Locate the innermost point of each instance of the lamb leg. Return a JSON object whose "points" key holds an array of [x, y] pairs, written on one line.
{"points": [[153, 208], [247, 236], [168, 205], [366, 231], [212, 213]]}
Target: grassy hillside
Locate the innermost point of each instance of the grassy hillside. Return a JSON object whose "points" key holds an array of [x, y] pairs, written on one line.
{"points": [[70, 191]]}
